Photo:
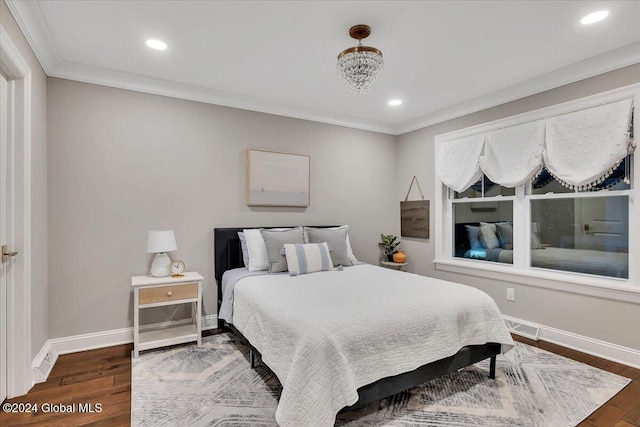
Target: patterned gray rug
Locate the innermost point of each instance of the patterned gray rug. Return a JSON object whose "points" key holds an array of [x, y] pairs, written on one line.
{"points": [[213, 385]]}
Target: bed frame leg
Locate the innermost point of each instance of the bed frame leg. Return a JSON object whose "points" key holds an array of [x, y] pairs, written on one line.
{"points": [[252, 359], [492, 368]]}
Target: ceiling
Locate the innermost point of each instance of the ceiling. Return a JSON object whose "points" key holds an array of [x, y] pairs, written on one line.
{"points": [[442, 58]]}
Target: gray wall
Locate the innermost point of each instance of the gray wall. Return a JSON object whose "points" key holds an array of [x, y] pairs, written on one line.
{"points": [[39, 312], [608, 320], [122, 163]]}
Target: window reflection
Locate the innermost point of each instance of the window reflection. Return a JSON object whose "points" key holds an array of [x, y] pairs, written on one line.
{"points": [[584, 235], [484, 230], [491, 189], [618, 180]]}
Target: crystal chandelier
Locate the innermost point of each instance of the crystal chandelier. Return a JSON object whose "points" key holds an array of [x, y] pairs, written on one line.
{"points": [[360, 66]]}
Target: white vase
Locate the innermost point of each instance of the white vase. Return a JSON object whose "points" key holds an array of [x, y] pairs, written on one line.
{"points": [[161, 266]]}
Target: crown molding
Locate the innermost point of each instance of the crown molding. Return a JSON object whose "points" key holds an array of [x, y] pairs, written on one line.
{"points": [[591, 67], [32, 23], [129, 81], [35, 29]]}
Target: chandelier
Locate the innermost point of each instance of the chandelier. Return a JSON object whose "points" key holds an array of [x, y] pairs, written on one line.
{"points": [[360, 66]]}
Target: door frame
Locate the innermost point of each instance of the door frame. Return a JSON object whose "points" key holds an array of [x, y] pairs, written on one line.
{"points": [[18, 72]]}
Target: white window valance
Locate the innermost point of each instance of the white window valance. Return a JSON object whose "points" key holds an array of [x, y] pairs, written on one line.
{"points": [[513, 155], [584, 147], [458, 166], [579, 149]]}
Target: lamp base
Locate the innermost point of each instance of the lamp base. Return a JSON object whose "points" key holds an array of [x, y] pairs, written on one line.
{"points": [[161, 266]]}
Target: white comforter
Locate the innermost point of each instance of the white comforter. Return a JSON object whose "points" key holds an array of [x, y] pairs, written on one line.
{"points": [[326, 334]]}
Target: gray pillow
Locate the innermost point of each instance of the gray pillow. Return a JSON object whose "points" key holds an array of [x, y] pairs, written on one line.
{"points": [[337, 240], [505, 234], [245, 251], [274, 241]]}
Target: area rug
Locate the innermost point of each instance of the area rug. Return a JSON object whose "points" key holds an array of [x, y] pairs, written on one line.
{"points": [[213, 385]]}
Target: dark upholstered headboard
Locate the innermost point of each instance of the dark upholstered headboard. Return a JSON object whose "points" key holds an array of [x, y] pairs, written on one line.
{"points": [[227, 253], [227, 250]]}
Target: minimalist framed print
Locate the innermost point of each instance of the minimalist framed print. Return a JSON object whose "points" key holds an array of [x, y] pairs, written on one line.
{"points": [[277, 179]]}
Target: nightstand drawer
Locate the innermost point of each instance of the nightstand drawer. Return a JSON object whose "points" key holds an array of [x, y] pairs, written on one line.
{"points": [[168, 293]]}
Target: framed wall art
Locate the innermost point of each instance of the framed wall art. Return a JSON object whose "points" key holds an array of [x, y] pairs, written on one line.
{"points": [[277, 179]]}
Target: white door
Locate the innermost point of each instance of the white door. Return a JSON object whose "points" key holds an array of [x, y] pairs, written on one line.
{"points": [[4, 132]]}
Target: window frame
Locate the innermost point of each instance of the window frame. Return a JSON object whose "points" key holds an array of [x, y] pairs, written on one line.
{"points": [[521, 271]]}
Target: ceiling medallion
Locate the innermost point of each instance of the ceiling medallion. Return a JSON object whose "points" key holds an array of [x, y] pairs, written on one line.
{"points": [[360, 66]]}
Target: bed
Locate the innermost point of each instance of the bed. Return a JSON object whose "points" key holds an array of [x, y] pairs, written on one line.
{"points": [[611, 264], [357, 348]]}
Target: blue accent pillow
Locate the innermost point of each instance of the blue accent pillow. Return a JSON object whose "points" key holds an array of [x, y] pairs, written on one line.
{"points": [[473, 232]]}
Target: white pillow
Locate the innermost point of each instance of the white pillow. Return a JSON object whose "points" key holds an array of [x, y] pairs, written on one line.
{"points": [[307, 258], [350, 254], [258, 260], [535, 241], [488, 233]]}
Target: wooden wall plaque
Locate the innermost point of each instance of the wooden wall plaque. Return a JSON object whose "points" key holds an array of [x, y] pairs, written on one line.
{"points": [[414, 219]]}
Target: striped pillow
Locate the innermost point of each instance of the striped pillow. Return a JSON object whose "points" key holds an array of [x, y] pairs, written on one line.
{"points": [[307, 258]]}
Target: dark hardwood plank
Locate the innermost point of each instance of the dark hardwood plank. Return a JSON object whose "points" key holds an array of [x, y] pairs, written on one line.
{"points": [[81, 356], [124, 378], [109, 371], [91, 364], [633, 416], [104, 376]]}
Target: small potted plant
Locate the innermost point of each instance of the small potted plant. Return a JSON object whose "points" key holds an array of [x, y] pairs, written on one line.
{"points": [[389, 244]]}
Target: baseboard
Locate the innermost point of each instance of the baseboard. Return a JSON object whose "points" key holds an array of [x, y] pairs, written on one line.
{"points": [[605, 350], [522, 328], [43, 363], [54, 347], [209, 322], [46, 358]]}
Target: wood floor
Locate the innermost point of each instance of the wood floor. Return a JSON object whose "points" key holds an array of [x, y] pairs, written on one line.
{"points": [[104, 376]]}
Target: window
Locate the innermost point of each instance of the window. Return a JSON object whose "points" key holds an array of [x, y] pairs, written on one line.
{"points": [[567, 209], [483, 222], [581, 234]]}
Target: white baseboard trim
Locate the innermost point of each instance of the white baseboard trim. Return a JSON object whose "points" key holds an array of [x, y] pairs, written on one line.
{"points": [[605, 350], [92, 341], [73, 344], [56, 346], [43, 363], [209, 322]]}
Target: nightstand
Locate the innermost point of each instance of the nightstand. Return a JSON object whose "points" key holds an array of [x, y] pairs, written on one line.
{"points": [[150, 292], [394, 265]]}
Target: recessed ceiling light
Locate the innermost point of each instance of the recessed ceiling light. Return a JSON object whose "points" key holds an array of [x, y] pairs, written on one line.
{"points": [[594, 17], [156, 44], [395, 102]]}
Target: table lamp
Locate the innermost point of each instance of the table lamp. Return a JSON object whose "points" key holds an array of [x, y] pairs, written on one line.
{"points": [[161, 242]]}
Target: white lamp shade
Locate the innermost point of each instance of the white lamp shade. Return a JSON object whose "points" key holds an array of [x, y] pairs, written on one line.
{"points": [[161, 241]]}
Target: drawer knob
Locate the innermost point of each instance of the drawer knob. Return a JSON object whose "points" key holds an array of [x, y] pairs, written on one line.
{"points": [[169, 293]]}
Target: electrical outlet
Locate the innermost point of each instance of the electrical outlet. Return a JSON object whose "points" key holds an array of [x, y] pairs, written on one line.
{"points": [[511, 295]]}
